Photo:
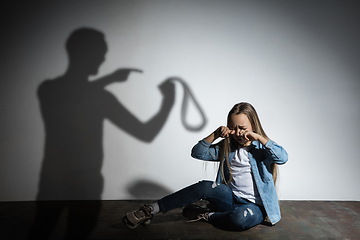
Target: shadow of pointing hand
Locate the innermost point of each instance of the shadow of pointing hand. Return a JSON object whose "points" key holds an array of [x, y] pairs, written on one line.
{"points": [[122, 74], [119, 75]]}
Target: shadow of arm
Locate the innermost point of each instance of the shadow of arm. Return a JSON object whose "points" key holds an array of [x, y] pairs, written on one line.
{"points": [[147, 131]]}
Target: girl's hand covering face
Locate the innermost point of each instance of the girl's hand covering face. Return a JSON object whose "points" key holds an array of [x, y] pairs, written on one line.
{"points": [[244, 138], [251, 136], [223, 132]]}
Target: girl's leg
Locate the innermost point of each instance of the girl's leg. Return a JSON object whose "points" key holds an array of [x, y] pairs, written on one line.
{"points": [[218, 195], [242, 217]]}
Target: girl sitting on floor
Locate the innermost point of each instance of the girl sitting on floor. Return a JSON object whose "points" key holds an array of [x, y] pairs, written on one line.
{"points": [[244, 193]]}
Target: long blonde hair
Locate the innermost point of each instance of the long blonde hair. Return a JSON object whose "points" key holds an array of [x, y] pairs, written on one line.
{"points": [[229, 144]]}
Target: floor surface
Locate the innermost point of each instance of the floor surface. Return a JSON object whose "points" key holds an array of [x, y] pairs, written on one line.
{"points": [[300, 220]]}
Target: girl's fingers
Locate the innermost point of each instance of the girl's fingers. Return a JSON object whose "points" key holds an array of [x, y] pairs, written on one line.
{"points": [[225, 132], [251, 136]]}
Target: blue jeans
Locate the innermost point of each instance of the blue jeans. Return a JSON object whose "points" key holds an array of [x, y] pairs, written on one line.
{"points": [[232, 213]]}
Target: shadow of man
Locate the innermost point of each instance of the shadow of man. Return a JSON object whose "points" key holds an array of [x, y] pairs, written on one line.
{"points": [[73, 110]]}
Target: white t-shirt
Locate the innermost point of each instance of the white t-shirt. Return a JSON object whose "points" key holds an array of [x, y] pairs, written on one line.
{"points": [[242, 183]]}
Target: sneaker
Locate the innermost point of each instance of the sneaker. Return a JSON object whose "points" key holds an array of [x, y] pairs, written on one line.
{"points": [[192, 210], [141, 216], [202, 216]]}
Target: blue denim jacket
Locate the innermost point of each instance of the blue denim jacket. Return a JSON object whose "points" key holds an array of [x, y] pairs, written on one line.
{"points": [[260, 158]]}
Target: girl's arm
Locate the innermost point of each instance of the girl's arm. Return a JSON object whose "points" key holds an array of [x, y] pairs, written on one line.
{"points": [[221, 131], [251, 136], [204, 150], [276, 152]]}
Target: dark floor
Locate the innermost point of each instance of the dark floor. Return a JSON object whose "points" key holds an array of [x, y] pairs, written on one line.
{"points": [[300, 220]]}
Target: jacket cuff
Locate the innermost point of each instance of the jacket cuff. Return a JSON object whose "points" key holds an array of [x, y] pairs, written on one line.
{"points": [[269, 144], [205, 143]]}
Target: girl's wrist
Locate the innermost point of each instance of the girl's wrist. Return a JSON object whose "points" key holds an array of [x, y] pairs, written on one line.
{"points": [[262, 140], [211, 138], [216, 134]]}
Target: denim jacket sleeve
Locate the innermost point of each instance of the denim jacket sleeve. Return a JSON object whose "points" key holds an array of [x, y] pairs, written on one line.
{"points": [[205, 151], [261, 157], [276, 153]]}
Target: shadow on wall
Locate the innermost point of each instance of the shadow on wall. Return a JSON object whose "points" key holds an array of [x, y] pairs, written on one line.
{"points": [[73, 110]]}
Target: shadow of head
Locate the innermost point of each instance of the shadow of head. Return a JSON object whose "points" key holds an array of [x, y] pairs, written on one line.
{"points": [[86, 48], [145, 189]]}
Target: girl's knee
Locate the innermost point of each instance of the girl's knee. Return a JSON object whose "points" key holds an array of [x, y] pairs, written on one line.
{"points": [[217, 194], [204, 182], [211, 186], [214, 188], [202, 185], [245, 218]]}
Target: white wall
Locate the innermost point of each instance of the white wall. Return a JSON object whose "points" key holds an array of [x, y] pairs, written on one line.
{"points": [[297, 63]]}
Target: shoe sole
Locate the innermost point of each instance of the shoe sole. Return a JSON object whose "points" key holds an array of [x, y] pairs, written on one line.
{"points": [[129, 225]]}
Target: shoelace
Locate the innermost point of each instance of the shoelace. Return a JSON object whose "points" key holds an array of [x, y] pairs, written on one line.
{"points": [[144, 211], [204, 216]]}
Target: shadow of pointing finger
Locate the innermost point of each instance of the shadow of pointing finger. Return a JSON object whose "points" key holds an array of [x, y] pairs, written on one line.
{"points": [[146, 189]]}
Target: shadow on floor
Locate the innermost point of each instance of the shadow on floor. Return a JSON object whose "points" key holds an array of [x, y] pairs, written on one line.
{"points": [[300, 220], [146, 189]]}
